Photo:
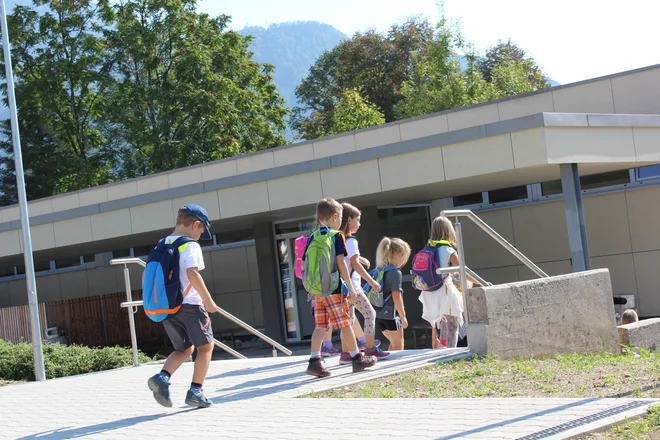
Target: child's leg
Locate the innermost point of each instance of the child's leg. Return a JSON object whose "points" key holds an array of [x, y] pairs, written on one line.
{"points": [[369, 314], [340, 317], [396, 339], [451, 327], [202, 362], [328, 335], [357, 329]]}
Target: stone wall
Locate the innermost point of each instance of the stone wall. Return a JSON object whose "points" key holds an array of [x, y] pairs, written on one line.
{"points": [[542, 317]]}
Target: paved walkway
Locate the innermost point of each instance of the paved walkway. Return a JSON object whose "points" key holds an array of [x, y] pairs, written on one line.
{"points": [[256, 399]]}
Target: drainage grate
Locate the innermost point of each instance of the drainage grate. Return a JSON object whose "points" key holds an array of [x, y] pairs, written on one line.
{"points": [[585, 420]]}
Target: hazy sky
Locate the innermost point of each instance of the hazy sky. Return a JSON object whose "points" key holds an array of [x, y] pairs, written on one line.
{"points": [[571, 39]]}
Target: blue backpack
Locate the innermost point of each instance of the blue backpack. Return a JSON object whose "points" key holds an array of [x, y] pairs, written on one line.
{"points": [[378, 274], [424, 266], [161, 287]]}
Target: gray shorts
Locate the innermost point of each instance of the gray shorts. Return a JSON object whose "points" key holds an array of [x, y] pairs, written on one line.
{"points": [[190, 326]]}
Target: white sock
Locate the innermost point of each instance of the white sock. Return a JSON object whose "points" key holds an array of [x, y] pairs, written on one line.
{"points": [[315, 354], [354, 353]]}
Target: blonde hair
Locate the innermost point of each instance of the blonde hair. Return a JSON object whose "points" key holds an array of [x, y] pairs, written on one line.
{"points": [[390, 246], [185, 219], [349, 212], [326, 208], [442, 229], [628, 317]]}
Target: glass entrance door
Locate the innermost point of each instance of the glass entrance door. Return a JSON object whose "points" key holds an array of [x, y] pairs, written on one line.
{"points": [[296, 310]]}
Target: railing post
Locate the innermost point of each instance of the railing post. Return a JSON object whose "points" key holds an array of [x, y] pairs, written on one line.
{"points": [[131, 318], [274, 352], [463, 273]]}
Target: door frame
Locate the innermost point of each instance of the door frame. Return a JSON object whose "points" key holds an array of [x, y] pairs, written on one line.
{"points": [[289, 236]]}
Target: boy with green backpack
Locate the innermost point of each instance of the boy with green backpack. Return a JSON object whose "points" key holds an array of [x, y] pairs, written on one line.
{"points": [[323, 264]]}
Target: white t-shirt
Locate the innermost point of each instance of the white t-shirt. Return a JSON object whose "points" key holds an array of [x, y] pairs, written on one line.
{"points": [[353, 249], [444, 255], [190, 255]]}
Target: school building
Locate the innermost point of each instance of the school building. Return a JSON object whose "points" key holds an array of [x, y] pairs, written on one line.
{"points": [[501, 159]]}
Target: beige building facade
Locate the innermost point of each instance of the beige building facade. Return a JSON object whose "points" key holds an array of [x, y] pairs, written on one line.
{"points": [[500, 159]]}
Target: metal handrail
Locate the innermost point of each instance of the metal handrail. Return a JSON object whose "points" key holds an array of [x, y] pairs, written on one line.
{"points": [[497, 237], [473, 274], [128, 261], [133, 305]]}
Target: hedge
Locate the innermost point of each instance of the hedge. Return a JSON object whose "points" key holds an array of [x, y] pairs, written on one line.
{"points": [[17, 360]]}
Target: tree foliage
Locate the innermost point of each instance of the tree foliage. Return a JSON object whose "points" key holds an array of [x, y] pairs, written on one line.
{"points": [[352, 112], [416, 68], [372, 63], [188, 91], [110, 90], [62, 72]]}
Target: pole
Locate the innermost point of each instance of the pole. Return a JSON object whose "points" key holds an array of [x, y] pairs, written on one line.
{"points": [[575, 222], [35, 326], [462, 272], [131, 318]]}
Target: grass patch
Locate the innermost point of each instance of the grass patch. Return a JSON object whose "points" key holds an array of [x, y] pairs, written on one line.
{"points": [[4, 383], [634, 373], [648, 427]]}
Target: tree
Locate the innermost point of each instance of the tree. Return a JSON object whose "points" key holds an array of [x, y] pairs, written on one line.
{"points": [[448, 74], [372, 63], [188, 91], [441, 78], [512, 62], [61, 70], [352, 112]]}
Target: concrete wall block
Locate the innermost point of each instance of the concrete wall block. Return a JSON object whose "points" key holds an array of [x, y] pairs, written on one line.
{"points": [[543, 317], [644, 334]]}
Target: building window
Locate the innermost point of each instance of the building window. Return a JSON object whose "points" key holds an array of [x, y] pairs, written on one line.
{"points": [[302, 225], [65, 262], [469, 199], [649, 172], [89, 258], [39, 266], [6, 271], [233, 237], [508, 194], [411, 224], [551, 188], [122, 253], [143, 251], [600, 180], [590, 182]]}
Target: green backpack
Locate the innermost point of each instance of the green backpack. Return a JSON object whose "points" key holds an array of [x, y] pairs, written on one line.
{"points": [[320, 275]]}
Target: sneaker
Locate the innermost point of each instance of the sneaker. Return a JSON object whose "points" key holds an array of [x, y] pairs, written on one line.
{"points": [[197, 398], [345, 358], [363, 362], [363, 345], [377, 352], [331, 351], [317, 368], [161, 389]]}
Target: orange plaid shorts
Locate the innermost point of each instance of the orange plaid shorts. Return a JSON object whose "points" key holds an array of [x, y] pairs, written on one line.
{"points": [[333, 310]]}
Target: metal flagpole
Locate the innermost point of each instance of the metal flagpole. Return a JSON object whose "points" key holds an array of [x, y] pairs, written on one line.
{"points": [[39, 371]]}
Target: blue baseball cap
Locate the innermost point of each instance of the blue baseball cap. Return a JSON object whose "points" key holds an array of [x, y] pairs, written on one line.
{"points": [[200, 214]]}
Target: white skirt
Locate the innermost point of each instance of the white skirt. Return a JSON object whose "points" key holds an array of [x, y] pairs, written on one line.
{"points": [[447, 300]]}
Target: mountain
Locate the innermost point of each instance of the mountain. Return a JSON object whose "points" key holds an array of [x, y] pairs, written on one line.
{"points": [[292, 48]]}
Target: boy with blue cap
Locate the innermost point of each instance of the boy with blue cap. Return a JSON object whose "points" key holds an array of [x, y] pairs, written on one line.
{"points": [[190, 326]]}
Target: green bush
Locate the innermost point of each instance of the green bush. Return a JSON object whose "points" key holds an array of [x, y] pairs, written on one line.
{"points": [[17, 360]]}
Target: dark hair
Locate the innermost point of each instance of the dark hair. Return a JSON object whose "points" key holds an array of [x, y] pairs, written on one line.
{"points": [[350, 211]]}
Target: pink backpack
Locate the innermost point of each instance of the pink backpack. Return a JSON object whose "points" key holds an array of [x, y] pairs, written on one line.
{"points": [[299, 250]]}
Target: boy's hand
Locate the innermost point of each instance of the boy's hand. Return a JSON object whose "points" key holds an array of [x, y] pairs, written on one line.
{"points": [[352, 296], [210, 306], [404, 322], [374, 285]]}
